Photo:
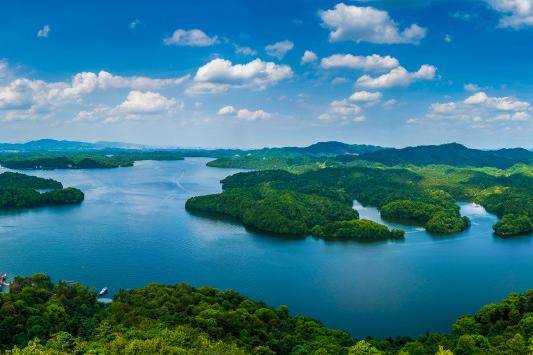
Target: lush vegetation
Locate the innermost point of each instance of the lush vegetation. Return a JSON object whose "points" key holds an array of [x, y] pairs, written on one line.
{"points": [[356, 229], [11, 179], [273, 210], [421, 195], [39, 317], [450, 154], [20, 191], [92, 160]]}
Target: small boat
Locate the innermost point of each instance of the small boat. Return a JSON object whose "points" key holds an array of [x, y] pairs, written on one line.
{"points": [[103, 291]]}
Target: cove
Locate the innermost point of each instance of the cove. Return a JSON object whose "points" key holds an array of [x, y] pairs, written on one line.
{"points": [[132, 229]]}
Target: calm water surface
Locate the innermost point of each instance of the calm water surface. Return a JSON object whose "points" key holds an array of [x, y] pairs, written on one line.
{"points": [[132, 229]]}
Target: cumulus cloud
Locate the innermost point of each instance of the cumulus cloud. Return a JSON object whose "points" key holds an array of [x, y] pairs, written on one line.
{"points": [[471, 87], [517, 13], [359, 23], [308, 57], [44, 32], [219, 75], [367, 63], [146, 103], [138, 105], [279, 49], [244, 113], [499, 103], [397, 77], [342, 111], [480, 108], [366, 96], [191, 38], [26, 98]]}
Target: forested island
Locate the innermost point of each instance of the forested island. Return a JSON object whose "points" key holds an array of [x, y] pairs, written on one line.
{"points": [[90, 160], [22, 191], [38, 316]]}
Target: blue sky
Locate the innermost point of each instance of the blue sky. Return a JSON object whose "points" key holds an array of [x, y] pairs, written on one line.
{"points": [[268, 73]]}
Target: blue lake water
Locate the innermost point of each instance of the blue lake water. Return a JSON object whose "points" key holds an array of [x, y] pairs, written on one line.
{"points": [[132, 229]]}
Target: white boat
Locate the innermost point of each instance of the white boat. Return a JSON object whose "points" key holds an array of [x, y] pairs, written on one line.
{"points": [[103, 291]]}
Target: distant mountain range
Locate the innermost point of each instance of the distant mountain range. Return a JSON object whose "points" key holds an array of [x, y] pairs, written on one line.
{"points": [[62, 145], [450, 154]]}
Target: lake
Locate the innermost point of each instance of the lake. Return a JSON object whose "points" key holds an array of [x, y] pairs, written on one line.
{"points": [[132, 229]]}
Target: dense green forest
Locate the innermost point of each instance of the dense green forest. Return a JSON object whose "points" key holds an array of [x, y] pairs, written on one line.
{"points": [[40, 317], [21, 191], [425, 196], [93, 160]]}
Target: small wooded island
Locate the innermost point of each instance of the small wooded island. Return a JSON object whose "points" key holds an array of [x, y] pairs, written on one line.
{"points": [[21, 191], [38, 316]]}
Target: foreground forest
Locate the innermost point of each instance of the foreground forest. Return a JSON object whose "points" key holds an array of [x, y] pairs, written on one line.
{"points": [[23, 191], [40, 317]]}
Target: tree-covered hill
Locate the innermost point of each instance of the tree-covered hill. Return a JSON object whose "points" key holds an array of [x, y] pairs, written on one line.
{"points": [[40, 317], [21, 191], [425, 196], [450, 154]]}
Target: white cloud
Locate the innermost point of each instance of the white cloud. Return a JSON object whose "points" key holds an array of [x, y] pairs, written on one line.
{"points": [[191, 38], [308, 57], [135, 23], [24, 98], [279, 49], [517, 13], [138, 105], [443, 108], [219, 75], [245, 50], [226, 110], [480, 108], [498, 103], [366, 96], [342, 111], [244, 113], [472, 87], [517, 116], [448, 38], [371, 62], [390, 103], [146, 103], [397, 77], [477, 98], [44, 32], [358, 23], [108, 80]]}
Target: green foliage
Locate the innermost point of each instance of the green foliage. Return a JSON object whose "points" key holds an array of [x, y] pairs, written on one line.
{"points": [[19, 191], [357, 229], [446, 222], [272, 210], [421, 195], [450, 154], [39, 317], [10, 179], [95, 160], [512, 224]]}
